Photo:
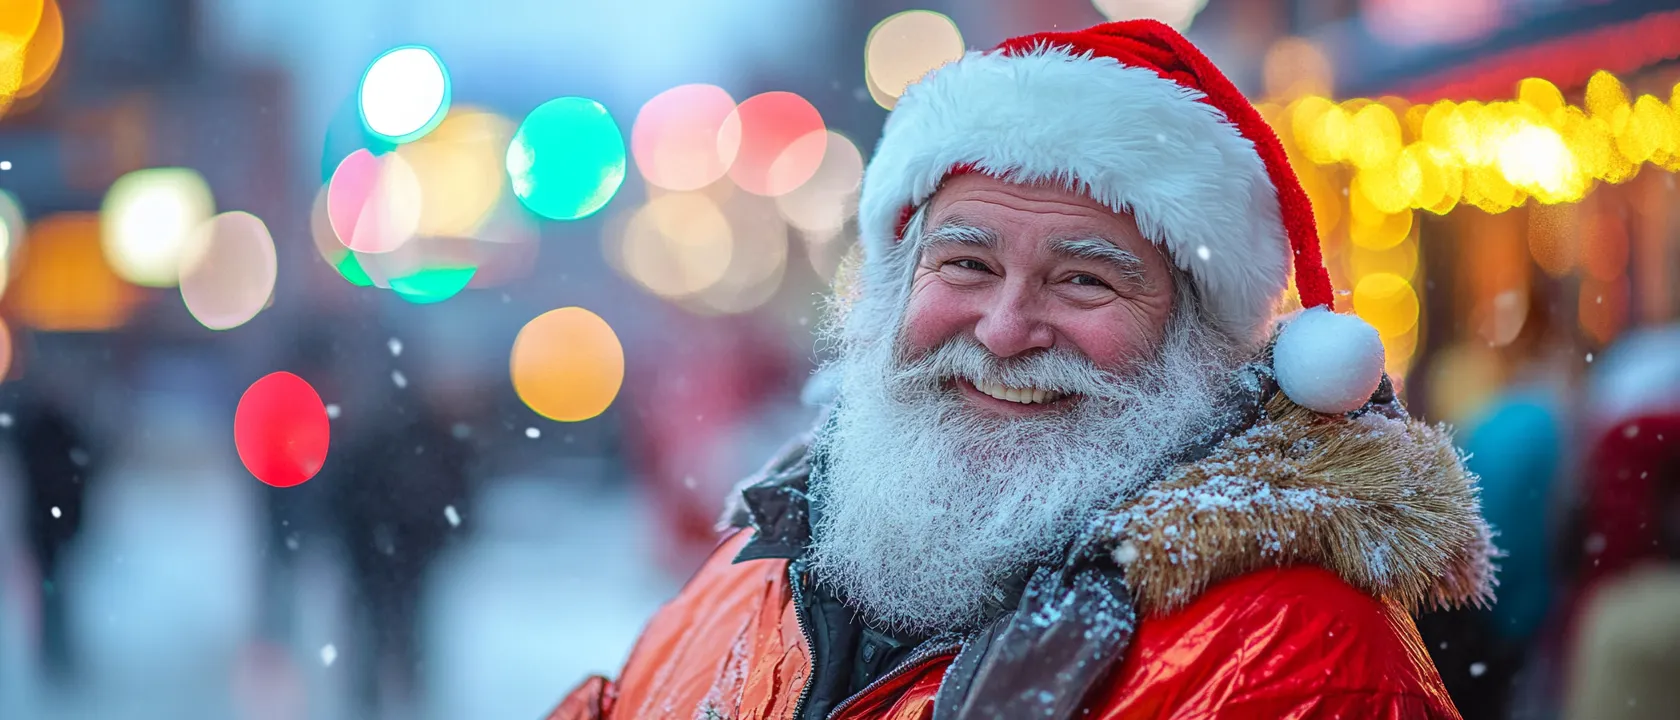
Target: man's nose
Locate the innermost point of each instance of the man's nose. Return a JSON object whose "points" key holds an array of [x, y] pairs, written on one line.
{"points": [[1013, 322]]}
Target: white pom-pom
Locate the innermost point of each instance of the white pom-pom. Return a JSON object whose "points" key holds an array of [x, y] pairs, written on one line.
{"points": [[1328, 363]]}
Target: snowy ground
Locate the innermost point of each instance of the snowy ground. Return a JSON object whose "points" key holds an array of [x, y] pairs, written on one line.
{"points": [[555, 584]]}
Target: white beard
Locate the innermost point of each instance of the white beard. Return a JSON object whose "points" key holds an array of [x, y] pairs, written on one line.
{"points": [[928, 506]]}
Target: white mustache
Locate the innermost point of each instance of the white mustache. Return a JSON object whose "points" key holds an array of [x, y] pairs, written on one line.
{"points": [[1056, 369]]}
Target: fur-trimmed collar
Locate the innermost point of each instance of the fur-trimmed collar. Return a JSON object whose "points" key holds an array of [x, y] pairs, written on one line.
{"points": [[1382, 500]]}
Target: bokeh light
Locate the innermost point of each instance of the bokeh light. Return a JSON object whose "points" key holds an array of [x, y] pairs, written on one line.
{"points": [[19, 20], [676, 245], [333, 252], [821, 206], [404, 93], [41, 57], [1388, 302], [567, 364], [567, 159], [62, 280], [425, 270], [281, 430], [903, 48], [675, 137], [12, 226], [459, 169], [1177, 13], [228, 270], [373, 203], [5, 350], [146, 219], [764, 135], [757, 258]]}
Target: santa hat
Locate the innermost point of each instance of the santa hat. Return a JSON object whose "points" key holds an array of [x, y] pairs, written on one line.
{"points": [[1135, 116]]}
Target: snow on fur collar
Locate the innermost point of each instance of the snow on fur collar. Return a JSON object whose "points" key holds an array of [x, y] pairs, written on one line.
{"points": [[1382, 500]]}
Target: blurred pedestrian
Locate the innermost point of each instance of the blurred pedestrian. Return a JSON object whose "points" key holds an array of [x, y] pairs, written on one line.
{"points": [[57, 460], [401, 494]]}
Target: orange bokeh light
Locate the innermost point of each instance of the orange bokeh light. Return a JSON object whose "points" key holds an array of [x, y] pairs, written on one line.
{"points": [[567, 364], [63, 282]]}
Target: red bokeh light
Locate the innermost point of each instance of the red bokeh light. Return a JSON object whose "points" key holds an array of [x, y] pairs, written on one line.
{"points": [[762, 136], [281, 430]]}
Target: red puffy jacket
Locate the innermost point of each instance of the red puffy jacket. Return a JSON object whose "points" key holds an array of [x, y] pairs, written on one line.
{"points": [[1272, 578]]}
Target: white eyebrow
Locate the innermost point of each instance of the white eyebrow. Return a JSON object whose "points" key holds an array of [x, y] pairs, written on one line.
{"points": [[957, 232], [1129, 266]]}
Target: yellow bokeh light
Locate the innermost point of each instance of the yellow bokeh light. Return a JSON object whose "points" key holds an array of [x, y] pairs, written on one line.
{"points": [[19, 21], [1177, 13], [757, 258], [1540, 94], [1388, 230], [1536, 160], [676, 245], [1386, 301], [41, 57], [1374, 138], [906, 46], [147, 218], [1294, 67], [459, 168], [567, 364], [1399, 259]]}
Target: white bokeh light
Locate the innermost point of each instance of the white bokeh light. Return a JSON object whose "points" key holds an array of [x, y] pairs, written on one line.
{"points": [[146, 220], [404, 93]]}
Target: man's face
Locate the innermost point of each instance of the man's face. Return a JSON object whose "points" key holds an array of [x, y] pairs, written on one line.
{"points": [[1027, 268]]}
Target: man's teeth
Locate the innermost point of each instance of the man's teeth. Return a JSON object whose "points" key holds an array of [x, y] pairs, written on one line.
{"points": [[1025, 396]]}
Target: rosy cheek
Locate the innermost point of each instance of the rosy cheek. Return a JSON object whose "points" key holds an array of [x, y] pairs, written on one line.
{"points": [[1107, 341], [932, 317]]}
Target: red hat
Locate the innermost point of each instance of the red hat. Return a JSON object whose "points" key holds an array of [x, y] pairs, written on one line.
{"points": [[1135, 116]]}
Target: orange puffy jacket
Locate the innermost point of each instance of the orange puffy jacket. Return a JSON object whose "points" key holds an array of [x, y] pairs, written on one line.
{"points": [[1273, 579]]}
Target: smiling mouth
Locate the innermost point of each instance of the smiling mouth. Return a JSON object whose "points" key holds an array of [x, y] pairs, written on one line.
{"points": [[1018, 395]]}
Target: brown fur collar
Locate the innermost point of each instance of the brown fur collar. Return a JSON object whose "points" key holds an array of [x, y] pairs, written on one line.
{"points": [[1384, 502]]}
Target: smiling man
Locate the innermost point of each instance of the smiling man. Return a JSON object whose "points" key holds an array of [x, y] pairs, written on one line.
{"points": [[1073, 468]]}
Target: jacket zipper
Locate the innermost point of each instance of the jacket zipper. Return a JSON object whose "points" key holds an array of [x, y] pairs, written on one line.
{"points": [[798, 593], [904, 668]]}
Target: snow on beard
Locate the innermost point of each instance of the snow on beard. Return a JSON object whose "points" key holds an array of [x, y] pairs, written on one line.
{"points": [[929, 505]]}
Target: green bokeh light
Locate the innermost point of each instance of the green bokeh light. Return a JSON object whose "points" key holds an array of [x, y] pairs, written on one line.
{"points": [[351, 269], [433, 284], [567, 160]]}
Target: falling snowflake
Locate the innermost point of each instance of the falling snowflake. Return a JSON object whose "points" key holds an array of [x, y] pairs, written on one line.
{"points": [[1476, 669], [399, 379], [395, 345], [332, 411], [5, 164], [688, 481], [453, 517], [533, 433], [292, 542], [5, 420], [329, 654], [1589, 357], [56, 513], [460, 431]]}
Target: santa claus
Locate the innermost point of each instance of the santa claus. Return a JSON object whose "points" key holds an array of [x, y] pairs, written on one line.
{"points": [[1075, 466]]}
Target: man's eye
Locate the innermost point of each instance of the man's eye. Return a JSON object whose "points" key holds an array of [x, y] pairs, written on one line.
{"points": [[971, 264], [1087, 280]]}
